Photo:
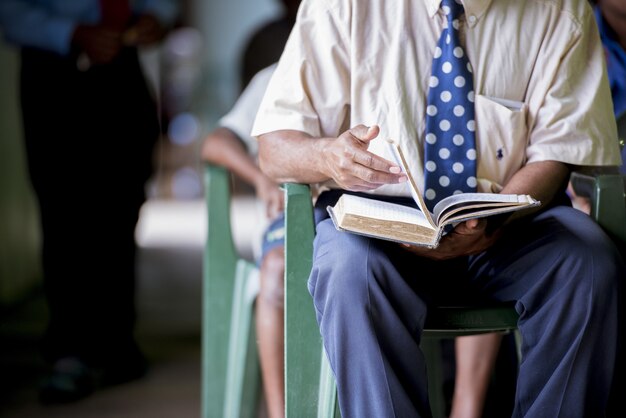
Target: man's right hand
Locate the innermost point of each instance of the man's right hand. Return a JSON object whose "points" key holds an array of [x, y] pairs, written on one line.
{"points": [[348, 162], [100, 44], [271, 194]]}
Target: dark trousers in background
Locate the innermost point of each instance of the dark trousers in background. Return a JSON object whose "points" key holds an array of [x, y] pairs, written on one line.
{"points": [[89, 140]]}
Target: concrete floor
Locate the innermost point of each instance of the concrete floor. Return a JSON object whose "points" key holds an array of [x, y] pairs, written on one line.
{"points": [[170, 236]]}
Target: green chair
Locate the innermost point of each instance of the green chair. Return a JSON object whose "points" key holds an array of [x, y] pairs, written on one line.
{"points": [[309, 382], [230, 367]]}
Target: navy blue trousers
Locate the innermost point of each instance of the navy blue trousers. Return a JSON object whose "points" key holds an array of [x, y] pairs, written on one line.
{"points": [[558, 267]]}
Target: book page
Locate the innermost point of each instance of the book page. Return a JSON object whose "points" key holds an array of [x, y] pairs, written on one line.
{"points": [[377, 209], [463, 200], [396, 151], [479, 211]]}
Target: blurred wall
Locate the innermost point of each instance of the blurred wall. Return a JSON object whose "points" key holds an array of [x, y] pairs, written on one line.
{"points": [[225, 27], [20, 269], [199, 82]]}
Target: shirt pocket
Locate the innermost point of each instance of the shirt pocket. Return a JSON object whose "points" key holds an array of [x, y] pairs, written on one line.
{"points": [[501, 139]]}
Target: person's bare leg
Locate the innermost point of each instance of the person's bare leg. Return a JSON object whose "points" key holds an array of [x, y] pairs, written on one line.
{"points": [[270, 327], [475, 359]]}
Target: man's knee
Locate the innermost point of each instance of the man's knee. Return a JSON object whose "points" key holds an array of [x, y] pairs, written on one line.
{"points": [[588, 273], [272, 277], [595, 261]]}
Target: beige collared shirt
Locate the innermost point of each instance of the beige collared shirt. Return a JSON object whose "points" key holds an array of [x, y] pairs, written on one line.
{"points": [[539, 77]]}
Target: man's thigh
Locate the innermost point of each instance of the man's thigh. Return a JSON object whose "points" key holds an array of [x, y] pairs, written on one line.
{"points": [[538, 255]]}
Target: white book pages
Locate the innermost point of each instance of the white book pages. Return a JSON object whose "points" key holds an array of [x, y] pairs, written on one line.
{"points": [[387, 211]]}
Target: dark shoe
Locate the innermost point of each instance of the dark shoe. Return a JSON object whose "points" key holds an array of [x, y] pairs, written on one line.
{"points": [[69, 381]]}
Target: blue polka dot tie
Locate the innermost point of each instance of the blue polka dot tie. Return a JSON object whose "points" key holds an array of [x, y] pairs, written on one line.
{"points": [[449, 147]]}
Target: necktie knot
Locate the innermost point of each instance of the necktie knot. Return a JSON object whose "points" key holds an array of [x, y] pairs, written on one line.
{"points": [[453, 9]]}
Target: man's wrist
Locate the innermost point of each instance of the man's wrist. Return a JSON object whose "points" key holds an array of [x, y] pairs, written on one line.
{"points": [[321, 152]]}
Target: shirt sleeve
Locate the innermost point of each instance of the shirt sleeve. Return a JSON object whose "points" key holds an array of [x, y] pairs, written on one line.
{"points": [[26, 24], [575, 123], [241, 117], [310, 89]]}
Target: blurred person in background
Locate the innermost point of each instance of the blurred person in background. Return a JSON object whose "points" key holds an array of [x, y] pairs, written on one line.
{"points": [[611, 18], [90, 123], [230, 145]]}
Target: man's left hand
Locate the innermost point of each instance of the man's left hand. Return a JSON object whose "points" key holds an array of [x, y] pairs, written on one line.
{"points": [[467, 238]]}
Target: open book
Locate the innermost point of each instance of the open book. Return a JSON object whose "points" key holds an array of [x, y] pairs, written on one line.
{"points": [[395, 222]]}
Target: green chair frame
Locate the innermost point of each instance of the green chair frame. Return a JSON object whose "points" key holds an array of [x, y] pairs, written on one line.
{"points": [[230, 367], [310, 389]]}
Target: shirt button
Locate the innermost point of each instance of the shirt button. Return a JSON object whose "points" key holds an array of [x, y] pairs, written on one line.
{"points": [[472, 19]]}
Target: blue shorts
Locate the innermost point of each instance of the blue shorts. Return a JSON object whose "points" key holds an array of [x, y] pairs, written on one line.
{"points": [[273, 236]]}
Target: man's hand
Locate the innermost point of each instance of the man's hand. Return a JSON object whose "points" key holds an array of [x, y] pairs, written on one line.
{"points": [[145, 31], [352, 167], [271, 195], [99, 43], [467, 238]]}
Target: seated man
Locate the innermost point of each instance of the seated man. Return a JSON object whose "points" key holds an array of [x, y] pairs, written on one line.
{"points": [[323, 121]]}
